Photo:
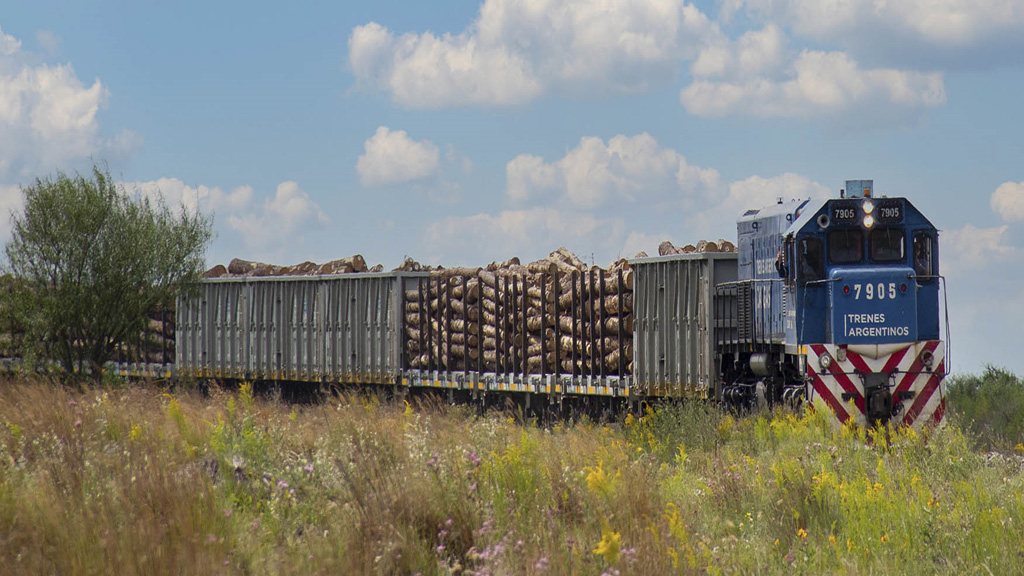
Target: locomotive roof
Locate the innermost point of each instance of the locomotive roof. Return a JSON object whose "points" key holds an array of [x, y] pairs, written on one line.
{"points": [[772, 210], [810, 211]]}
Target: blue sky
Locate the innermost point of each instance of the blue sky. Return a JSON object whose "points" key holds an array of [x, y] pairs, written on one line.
{"points": [[458, 132]]}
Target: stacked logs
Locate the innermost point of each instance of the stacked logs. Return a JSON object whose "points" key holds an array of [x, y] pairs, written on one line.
{"points": [[553, 315], [666, 248], [154, 345], [238, 267]]}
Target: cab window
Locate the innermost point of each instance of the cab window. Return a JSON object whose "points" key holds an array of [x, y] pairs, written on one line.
{"points": [[810, 260], [845, 246], [887, 245], [924, 255]]}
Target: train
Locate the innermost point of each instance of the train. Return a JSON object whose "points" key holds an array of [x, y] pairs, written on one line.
{"points": [[833, 302]]}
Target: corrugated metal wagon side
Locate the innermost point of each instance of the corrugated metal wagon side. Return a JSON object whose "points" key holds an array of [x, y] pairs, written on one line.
{"points": [[677, 317], [339, 329]]}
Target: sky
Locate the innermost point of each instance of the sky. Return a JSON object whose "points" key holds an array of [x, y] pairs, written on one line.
{"points": [[458, 132]]}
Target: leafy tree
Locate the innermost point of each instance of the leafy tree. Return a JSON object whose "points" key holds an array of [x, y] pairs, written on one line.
{"points": [[90, 262]]}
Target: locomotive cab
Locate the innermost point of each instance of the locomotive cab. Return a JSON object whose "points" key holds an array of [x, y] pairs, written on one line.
{"points": [[864, 271]]}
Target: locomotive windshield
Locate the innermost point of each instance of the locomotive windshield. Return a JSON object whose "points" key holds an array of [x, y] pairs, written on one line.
{"points": [[845, 246], [811, 259], [923, 255], [887, 245]]}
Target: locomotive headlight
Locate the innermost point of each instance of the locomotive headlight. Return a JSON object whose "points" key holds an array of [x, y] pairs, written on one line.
{"points": [[927, 358], [869, 221], [868, 206], [825, 360]]}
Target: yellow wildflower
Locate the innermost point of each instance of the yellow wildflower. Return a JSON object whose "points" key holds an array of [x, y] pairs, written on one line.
{"points": [[885, 538], [802, 533], [600, 482], [609, 545], [832, 539]]}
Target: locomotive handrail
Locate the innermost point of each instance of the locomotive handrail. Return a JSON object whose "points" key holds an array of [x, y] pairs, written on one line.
{"points": [[748, 281], [824, 281], [945, 306]]}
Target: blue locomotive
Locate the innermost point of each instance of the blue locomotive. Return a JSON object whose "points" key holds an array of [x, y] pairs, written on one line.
{"points": [[837, 302]]}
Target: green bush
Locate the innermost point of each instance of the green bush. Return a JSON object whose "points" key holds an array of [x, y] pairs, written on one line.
{"points": [[991, 406]]}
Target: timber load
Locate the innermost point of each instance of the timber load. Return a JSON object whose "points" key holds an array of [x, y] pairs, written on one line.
{"points": [[354, 264], [554, 315], [154, 345]]}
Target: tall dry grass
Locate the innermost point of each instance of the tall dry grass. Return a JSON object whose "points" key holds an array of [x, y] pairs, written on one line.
{"points": [[137, 481]]}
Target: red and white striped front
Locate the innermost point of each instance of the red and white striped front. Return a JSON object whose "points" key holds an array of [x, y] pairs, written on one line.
{"points": [[919, 397]]}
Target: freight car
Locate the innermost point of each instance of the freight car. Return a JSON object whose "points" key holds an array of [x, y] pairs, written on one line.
{"points": [[833, 301]]}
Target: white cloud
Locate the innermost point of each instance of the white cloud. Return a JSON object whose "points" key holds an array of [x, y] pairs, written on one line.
{"points": [[527, 174], [8, 44], [757, 191], [624, 169], [391, 157], [957, 22], [175, 192], [970, 248], [1008, 201], [280, 220], [645, 185], [530, 234], [515, 51], [755, 53], [935, 32], [11, 200], [611, 232], [47, 115], [370, 54], [818, 84], [753, 192]]}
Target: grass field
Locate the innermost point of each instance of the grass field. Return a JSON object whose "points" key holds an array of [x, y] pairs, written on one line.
{"points": [[138, 481]]}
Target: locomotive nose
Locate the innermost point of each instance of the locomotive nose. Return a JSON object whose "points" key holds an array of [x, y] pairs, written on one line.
{"points": [[873, 306]]}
